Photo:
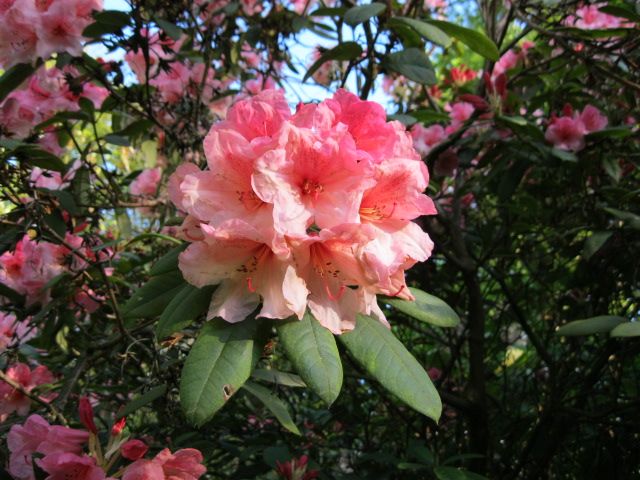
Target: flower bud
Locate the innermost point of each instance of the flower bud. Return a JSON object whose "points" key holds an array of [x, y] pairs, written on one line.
{"points": [[118, 427], [133, 449], [86, 415]]}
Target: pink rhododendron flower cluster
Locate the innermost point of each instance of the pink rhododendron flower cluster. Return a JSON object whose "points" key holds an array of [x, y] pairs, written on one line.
{"points": [[461, 75], [48, 91], [13, 400], [589, 17], [61, 452], [33, 264], [14, 332], [568, 131], [30, 29], [312, 210]]}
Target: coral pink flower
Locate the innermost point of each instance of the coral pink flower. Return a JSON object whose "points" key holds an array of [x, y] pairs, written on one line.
{"points": [[172, 83], [12, 400], [158, 48], [147, 182], [133, 449], [425, 138], [241, 259], [14, 332], [36, 435], [312, 210], [462, 75], [185, 464], [460, 112], [69, 466]]}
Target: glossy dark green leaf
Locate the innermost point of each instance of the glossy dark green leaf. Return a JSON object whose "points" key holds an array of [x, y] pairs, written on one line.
{"points": [[624, 11], [117, 140], [385, 358], [168, 262], [141, 400], [361, 13], [152, 298], [278, 378], [629, 219], [590, 326], [414, 64], [594, 243], [274, 404], [476, 41], [312, 350], [426, 308], [343, 51], [219, 363], [426, 30], [13, 77], [627, 329], [187, 305], [170, 29]]}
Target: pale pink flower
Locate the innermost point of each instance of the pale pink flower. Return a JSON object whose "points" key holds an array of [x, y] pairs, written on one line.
{"points": [[147, 182], [425, 138], [157, 49], [251, 7], [30, 266], [172, 83], [589, 17], [14, 332], [12, 400], [241, 259]]}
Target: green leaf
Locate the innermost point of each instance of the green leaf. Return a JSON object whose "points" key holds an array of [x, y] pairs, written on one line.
{"points": [[627, 329], [13, 77], [152, 298], [328, 12], [279, 378], [168, 262], [429, 116], [426, 308], [624, 11], [612, 132], [631, 219], [218, 364], [187, 305], [312, 350], [476, 41], [142, 400], [274, 405], [564, 155], [594, 243], [427, 31], [589, 326], [383, 356], [107, 22], [452, 473], [361, 13], [414, 64], [117, 140], [343, 51], [170, 29], [406, 120]]}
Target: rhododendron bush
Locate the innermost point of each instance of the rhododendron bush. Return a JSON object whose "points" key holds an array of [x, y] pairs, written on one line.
{"points": [[318, 239]]}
